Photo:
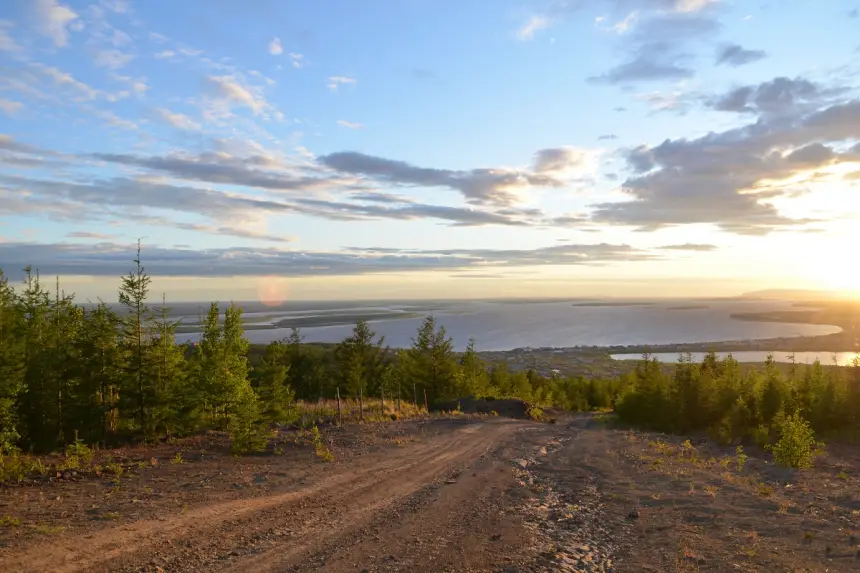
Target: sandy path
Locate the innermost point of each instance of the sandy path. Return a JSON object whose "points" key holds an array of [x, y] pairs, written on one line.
{"points": [[434, 501]]}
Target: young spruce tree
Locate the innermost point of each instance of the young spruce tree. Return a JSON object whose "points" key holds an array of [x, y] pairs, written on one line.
{"points": [[136, 392]]}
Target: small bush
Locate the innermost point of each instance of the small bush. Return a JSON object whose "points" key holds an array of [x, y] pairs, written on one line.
{"points": [[322, 451], [741, 458], [9, 521], [78, 453], [536, 413], [796, 447], [177, 459]]}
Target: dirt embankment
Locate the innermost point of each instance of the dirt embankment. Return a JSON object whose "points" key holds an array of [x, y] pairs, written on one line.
{"points": [[462, 495]]}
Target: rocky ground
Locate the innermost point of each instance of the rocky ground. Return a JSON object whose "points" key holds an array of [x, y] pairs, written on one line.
{"points": [[479, 494]]}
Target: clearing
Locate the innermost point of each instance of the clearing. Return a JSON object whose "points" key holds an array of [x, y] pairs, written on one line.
{"points": [[464, 494]]}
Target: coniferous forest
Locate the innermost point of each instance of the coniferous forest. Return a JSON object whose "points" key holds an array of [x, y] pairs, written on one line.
{"points": [[109, 374]]}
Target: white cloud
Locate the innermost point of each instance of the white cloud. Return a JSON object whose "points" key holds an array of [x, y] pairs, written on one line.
{"points": [[624, 25], [115, 121], [178, 120], [113, 59], [10, 107], [230, 88], [535, 24], [686, 6], [137, 85], [117, 6], [7, 42], [349, 124], [54, 20], [275, 47], [297, 60], [334, 82], [61, 78], [164, 55]]}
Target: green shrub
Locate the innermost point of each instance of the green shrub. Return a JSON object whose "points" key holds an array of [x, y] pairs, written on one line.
{"points": [[796, 446], [741, 457], [322, 451], [536, 413]]}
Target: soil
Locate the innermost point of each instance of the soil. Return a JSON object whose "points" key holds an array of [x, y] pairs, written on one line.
{"points": [[464, 494]]}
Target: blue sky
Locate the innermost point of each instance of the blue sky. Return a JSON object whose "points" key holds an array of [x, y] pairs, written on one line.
{"points": [[431, 148]]}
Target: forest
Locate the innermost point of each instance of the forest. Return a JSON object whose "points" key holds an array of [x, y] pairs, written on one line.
{"points": [[107, 375], [111, 374]]}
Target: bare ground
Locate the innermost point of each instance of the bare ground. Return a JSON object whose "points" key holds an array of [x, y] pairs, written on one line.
{"points": [[461, 494]]}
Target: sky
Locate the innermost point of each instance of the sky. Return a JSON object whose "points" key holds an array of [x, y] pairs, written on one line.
{"points": [[304, 149]]}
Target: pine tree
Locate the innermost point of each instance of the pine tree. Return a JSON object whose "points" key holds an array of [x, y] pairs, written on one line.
{"points": [[472, 374], [66, 319], [274, 392], [167, 363], [360, 360], [207, 355], [132, 295], [12, 365], [430, 361], [100, 370], [37, 402]]}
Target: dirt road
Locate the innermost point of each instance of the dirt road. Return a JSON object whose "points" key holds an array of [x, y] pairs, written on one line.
{"points": [[462, 495], [437, 503]]}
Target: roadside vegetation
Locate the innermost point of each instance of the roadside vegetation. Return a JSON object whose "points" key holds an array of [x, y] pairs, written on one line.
{"points": [[74, 378]]}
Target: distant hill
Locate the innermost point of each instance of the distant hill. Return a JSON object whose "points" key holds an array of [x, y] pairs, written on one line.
{"points": [[794, 294]]}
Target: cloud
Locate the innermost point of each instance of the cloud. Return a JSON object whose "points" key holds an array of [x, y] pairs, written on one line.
{"points": [[10, 107], [53, 20], [88, 235], [534, 24], [63, 79], [334, 82], [643, 68], [678, 102], [349, 124], [690, 247], [115, 121], [112, 59], [164, 55], [623, 12], [178, 120], [231, 89], [137, 85], [275, 47], [7, 42], [109, 259], [298, 60], [730, 179], [489, 186], [607, 137], [735, 55], [777, 96], [561, 159], [657, 46]]}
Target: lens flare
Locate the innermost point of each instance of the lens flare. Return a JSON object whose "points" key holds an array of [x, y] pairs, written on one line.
{"points": [[272, 291]]}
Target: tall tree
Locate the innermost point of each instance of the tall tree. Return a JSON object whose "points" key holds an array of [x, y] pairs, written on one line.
{"points": [[99, 371], [273, 388], [430, 361], [133, 292], [167, 371], [360, 360], [12, 364], [37, 401]]}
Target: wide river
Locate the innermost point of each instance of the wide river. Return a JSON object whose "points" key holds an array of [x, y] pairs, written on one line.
{"points": [[826, 358], [508, 325]]}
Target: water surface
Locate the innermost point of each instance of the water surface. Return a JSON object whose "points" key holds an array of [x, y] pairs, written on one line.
{"points": [[508, 325]]}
